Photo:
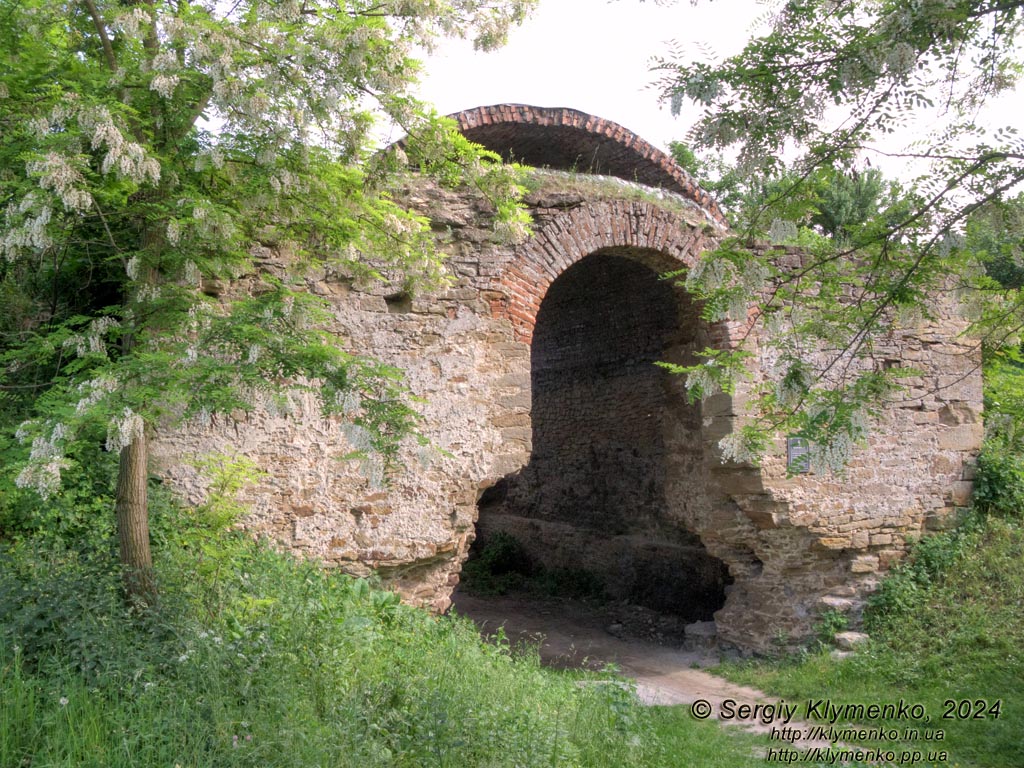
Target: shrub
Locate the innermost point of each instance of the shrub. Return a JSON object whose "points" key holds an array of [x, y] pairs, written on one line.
{"points": [[928, 561], [999, 484], [79, 517], [831, 623], [501, 565]]}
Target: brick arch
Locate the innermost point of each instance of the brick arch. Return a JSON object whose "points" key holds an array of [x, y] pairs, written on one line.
{"points": [[563, 239], [568, 139]]}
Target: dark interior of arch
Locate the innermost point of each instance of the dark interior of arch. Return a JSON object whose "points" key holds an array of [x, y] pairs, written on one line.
{"points": [[592, 499], [569, 148]]}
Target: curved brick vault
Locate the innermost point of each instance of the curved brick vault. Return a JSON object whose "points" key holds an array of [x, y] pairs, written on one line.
{"points": [[792, 546], [563, 239], [570, 140]]}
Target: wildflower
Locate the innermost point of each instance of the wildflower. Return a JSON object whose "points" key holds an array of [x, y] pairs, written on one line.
{"points": [[63, 701]]}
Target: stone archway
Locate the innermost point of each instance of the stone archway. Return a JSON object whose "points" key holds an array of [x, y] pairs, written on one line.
{"points": [[570, 140], [794, 545], [609, 427]]}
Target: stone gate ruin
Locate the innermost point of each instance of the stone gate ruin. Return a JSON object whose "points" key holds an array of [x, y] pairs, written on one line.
{"points": [[548, 417]]}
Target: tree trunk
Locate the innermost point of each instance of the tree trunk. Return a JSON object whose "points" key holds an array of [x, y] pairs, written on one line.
{"points": [[132, 507]]}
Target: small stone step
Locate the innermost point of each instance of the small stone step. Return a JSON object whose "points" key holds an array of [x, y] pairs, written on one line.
{"points": [[848, 641], [839, 604], [701, 634]]}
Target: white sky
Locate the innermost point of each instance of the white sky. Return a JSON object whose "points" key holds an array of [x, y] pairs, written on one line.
{"points": [[590, 55], [595, 56]]}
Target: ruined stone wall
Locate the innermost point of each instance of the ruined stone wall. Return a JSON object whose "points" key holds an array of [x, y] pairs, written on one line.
{"points": [[791, 546], [833, 535], [464, 350]]}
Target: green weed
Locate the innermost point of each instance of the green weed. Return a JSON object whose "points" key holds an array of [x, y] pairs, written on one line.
{"points": [[267, 661]]}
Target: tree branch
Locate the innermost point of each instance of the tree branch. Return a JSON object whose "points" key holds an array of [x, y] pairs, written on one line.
{"points": [[101, 30]]}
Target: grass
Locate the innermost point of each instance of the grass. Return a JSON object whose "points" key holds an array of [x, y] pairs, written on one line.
{"points": [[596, 187], [948, 627], [255, 659]]}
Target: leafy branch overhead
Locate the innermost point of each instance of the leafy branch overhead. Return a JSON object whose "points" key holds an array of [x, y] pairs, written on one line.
{"points": [[833, 81], [152, 151]]}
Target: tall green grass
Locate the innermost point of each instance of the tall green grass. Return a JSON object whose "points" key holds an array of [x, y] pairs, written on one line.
{"points": [[252, 658]]}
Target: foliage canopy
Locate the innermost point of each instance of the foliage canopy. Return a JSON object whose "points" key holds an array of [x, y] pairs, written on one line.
{"points": [[832, 79], [153, 150]]}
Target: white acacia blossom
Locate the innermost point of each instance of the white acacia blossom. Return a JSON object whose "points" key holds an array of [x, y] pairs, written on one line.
{"points": [[57, 174], [736, 449], [373, 470], [192, 276], [350, 403], [793, 385], [46, 460], [782, 231], [834, 455], [93, 391], [701, 380], [124, 431], [164, 84], [132, 22], [126, 158], [93, 341], [358, 437], [31, 233], [148, 292]]}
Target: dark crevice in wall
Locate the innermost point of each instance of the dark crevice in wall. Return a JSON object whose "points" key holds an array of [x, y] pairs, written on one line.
{"points": [[400, 302]]}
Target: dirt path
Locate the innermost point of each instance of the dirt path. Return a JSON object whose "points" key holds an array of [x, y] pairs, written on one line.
{"points": [[571, 634]]}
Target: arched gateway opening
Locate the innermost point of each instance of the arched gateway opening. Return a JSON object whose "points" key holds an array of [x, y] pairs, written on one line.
{"points": [[609, 427]]}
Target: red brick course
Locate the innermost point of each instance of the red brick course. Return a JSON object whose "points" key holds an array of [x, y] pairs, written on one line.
{"points": [[563, 238]]}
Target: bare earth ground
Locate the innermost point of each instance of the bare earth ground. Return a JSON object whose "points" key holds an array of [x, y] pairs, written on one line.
{"points": [[572, 634]]}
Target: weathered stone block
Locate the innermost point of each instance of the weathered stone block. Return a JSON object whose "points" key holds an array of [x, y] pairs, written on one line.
{"points": [[961, 493], [864, 564], [965, 437], [850, 641], [838, 604]]}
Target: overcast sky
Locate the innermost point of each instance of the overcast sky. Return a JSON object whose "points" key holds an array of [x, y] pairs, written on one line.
{"points": [[595, 56], [591, 55]]}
